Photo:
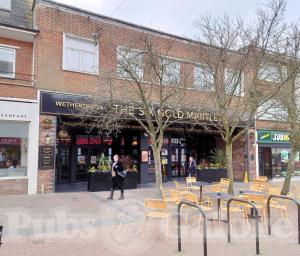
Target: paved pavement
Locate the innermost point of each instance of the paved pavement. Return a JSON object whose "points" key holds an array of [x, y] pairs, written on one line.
{"points": [[84, 223]]}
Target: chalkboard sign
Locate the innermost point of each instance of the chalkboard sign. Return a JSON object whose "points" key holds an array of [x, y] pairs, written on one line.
{"points": [[46, 157]]}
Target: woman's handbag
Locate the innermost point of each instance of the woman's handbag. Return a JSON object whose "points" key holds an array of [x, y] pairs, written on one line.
{"points": [[123, 173]]}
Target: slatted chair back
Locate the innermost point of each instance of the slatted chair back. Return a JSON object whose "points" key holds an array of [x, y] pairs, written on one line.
{"points": [[224, 184], [261, 178], [274, 191], [257, 199], [191, 197], [190, 180], [155, 204]]}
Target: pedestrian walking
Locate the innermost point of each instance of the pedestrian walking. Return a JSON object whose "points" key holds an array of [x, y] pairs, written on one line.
{"points": [[192, 168], [118, 175]]}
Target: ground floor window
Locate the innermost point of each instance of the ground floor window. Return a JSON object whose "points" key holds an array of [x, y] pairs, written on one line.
{"points": [[280, 159], [13, 149]]}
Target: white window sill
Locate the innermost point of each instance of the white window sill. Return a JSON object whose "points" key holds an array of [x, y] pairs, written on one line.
{"points": [[7, 76], [81, 72], [13, 177]]}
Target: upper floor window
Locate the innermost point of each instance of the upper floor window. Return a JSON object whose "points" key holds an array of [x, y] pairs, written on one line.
{"points": [[80, 55], [7, 62], [203, 78], [234, 80], [270, 72], [170, 72], [130, 63], [271, 110], [5, 4]]}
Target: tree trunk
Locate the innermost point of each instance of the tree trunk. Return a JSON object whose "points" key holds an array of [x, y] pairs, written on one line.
{"points": [[290, 170], [158, 175], [229, 166]]}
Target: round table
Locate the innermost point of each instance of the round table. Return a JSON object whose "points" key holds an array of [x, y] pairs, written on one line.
{"points": [[218, 196], [199, 184]]}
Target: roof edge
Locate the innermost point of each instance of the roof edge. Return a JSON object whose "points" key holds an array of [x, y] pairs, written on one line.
{"points": [[130, 24]]}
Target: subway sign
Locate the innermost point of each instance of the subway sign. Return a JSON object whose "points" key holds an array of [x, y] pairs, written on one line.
{"points": [[273, 136]]}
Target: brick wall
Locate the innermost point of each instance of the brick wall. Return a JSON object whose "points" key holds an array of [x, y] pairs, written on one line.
{"points": [[14, 186], [238, 153], [22, 85], [46, 178], [53, 23], [268, 125]]}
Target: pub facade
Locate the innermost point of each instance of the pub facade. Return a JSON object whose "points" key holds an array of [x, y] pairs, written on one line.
{"points": [[69, 63]]}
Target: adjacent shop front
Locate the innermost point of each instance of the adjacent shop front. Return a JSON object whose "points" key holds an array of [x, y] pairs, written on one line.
{"points": [[18, 147], [274, 153]]}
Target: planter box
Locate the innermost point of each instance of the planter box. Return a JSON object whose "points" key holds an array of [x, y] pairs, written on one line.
{"points": [[101, 181], [211, 175], [131, 180]]}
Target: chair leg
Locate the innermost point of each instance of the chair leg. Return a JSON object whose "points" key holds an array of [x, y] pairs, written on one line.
{"points": [[143, 227], [167, 227], [187, 215]]}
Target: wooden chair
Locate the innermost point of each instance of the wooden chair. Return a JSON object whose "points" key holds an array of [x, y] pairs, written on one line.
{"points": [[261, 178], [235, 208], [278, 203], [273, 190], [257, 185], [295, 191], [156, 208], [180, 187], [171, 196], [260, 203], [191, 197], [222, 186], [190, 181]]}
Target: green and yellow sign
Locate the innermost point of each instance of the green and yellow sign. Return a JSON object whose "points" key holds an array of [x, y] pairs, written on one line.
{"points": [[273, 136]]}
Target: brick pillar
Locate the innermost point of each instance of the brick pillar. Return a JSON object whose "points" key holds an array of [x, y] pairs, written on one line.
{"points": [[46, 178]]}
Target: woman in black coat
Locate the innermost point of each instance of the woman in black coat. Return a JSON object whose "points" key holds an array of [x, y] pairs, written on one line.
{"points": [[117, 173], [192, 167]]}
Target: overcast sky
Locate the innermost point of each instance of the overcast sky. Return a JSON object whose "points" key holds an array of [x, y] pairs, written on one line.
{"points": [[176, 16]]}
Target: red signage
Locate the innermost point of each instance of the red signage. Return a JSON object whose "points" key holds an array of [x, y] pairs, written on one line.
{"points": [[10, 141]]}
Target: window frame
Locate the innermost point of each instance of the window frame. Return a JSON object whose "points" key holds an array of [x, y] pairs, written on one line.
{"points": [[6, 9], [242, 85], [96, 53], [170, 59], [270, 65], [13, 75], [271, 109], [207, 89], [121, 47]]}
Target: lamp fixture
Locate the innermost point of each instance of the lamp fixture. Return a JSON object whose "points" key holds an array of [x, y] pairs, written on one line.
{"points": [[47, 139]]}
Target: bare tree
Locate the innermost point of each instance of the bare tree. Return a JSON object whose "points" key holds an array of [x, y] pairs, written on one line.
{"points": [[156, 87], [233, 69], [145, 85], [289, 97]]}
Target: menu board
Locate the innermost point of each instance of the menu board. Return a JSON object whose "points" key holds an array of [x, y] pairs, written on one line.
{"points": [[46, 157]]}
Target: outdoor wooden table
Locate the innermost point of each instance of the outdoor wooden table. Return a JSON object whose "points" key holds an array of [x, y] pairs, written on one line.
{"points": [[200, 184], [218, 196]]}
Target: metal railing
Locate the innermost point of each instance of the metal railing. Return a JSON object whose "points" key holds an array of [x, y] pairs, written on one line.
{"points": [[1, 229], [269, 211], [204, 225], [256, 220]]}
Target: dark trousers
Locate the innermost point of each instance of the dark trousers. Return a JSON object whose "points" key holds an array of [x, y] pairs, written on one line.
{"points": [[118, 182]]}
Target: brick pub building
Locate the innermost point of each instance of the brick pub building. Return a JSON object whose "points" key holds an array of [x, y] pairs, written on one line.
{"points": [[64, 81], [51, 65]]}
